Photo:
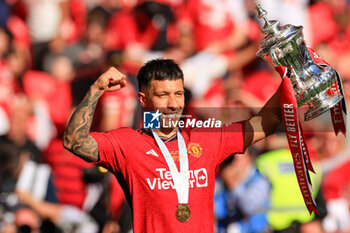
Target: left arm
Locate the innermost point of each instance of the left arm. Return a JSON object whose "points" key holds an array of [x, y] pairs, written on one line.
{"points": [[265, 122]]}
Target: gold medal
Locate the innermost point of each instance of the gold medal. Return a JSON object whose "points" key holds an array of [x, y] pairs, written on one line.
{"points": [[183, 213]]}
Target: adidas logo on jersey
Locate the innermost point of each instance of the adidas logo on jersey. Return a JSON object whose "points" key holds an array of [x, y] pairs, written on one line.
{"points": [[152, 152]]}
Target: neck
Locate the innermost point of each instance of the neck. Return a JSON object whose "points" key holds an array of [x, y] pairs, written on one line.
{"points": [[165, 132]]}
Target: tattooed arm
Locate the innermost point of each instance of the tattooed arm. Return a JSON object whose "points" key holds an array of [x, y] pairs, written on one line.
{"points": [[76, 137]]}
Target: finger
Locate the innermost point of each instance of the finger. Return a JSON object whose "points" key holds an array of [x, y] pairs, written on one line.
{"points": [[123, 82], [114, 81], [121, 74], [116, 84], [112, 69], [110, 74], [115, 73], [115, 87], [118, 80]]}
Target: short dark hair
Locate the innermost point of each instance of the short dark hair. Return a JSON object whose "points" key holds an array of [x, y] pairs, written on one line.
{"points": [[158, 69], [9, 158]]}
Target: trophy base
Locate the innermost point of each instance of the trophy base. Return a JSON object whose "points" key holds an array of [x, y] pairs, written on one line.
{"points": [[323, 106]]}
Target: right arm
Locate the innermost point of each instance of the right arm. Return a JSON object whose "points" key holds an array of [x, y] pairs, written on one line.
{"points": [[76, 137]]}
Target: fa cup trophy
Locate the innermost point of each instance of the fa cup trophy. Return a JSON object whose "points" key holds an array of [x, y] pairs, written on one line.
{"points": [[311, 82], [307, 80]]}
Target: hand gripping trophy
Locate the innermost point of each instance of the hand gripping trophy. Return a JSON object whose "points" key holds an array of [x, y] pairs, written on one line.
{"points": [[306, 80]]}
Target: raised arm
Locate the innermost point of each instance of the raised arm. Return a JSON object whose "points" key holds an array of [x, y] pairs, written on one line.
{"points": [[265, 122], [76, 137]]}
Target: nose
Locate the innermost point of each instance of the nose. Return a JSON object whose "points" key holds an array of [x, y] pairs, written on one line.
{"points": [[172, 103]]}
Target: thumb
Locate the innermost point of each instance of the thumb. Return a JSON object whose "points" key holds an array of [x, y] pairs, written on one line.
{"points": [[116, 84], [123, 82]]}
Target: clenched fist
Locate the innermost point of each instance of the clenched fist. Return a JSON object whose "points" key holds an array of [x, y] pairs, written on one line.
{"points": [[111, 80]]}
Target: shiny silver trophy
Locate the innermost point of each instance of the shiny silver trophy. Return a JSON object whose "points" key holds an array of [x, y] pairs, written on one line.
{"points": [[286, 46]]}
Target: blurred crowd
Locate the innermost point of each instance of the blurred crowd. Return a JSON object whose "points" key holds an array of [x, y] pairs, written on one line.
{"points": [[51, 51]]}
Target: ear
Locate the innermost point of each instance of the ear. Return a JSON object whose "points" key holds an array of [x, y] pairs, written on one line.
{"points": [[142, 98]]}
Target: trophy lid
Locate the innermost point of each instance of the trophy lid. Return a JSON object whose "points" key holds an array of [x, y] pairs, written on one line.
{"points": [[275, 35]]}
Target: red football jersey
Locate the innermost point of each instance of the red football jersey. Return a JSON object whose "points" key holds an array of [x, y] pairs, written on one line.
{"points": [[135, 159], [67, 171]]}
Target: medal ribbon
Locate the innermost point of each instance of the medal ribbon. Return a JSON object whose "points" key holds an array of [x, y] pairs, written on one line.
{"points": [[181, 178], [296, 142]]}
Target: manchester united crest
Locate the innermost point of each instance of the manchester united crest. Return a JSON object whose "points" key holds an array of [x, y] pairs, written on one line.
{"points": [[194, 149]]}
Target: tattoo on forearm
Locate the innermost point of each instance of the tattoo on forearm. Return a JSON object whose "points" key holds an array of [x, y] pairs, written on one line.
{"points": [[77, 133]]}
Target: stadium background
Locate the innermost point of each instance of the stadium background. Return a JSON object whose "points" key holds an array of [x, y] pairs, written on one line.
{"points": [[52, 50]]}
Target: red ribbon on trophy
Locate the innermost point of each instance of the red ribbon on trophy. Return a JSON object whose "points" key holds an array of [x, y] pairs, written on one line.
{"points": [[294, 133], [338, 112], [296, 142], [285, 45]]}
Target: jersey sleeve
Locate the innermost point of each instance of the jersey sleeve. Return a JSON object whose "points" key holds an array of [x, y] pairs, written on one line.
{"points": [[231, 140], [110, 150]]}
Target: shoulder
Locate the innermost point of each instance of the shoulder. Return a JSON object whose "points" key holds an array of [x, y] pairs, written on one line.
{"points": [[112, 135], [122, 130], [127, 134]]}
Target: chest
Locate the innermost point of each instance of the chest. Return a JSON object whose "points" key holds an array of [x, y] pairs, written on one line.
{"points": [[151, 168]]}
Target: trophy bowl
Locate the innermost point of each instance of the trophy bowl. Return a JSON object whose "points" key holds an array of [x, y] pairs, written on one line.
{"points": [[311, 82]]}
